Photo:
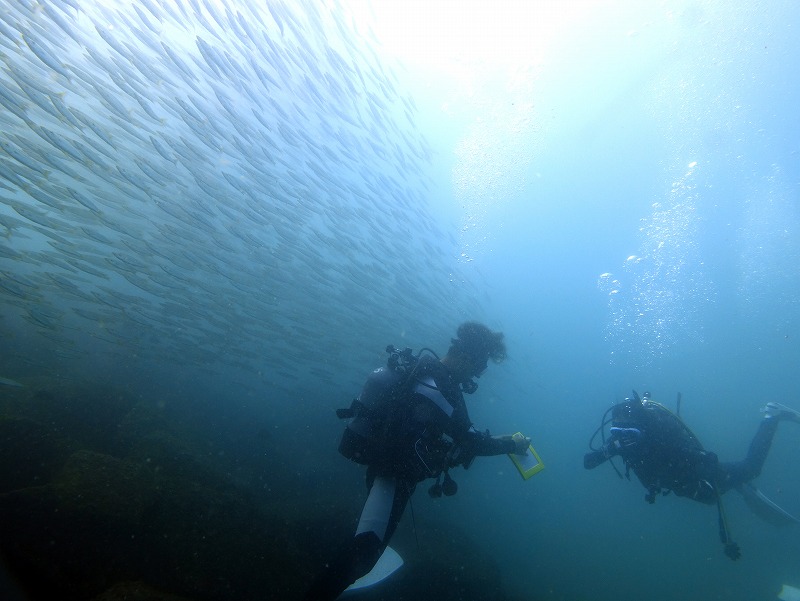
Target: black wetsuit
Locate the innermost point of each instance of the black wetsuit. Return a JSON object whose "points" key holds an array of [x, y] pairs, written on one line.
{"points": [[667, 457], [427, 432]]}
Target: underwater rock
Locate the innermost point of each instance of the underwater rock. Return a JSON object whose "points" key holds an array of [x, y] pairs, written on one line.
{"points": [[31, 453], [141, 420], [104, 520], [173, 450], [78, 534], [109, 488], [169, 510], [219, 544], [136, 591], [146, 436], [90, 415]]}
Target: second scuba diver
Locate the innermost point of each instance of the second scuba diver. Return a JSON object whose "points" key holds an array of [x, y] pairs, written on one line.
{"points": [[667, 457]]}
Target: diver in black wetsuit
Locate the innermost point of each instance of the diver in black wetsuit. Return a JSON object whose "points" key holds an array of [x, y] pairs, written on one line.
{"points": [[411, 423], [667, 457]]}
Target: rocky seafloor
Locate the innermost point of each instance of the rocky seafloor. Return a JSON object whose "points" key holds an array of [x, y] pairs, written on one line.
{"points": [[105, 496]]}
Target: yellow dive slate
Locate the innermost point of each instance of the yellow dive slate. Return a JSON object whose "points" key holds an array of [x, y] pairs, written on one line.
{"points": [[528, 464]]}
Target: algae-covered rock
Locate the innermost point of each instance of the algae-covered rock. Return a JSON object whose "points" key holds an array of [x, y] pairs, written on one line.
{"points": [[31, 453], [136, 591], [134, 504], [109, 488], [173, 454], [89, 415], [78, 534], [219, 544]]}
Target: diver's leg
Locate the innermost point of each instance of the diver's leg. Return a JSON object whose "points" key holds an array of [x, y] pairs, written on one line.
{"points": [[354, 559], [378, 521], [385, 504], [737, 473]]}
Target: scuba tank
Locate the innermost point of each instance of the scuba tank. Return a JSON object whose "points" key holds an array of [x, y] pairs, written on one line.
{"points": [[384, 418], [379, 409]]}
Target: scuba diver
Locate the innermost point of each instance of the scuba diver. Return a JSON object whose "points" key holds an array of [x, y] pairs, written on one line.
{"points": [[410, 423], [667, 457]]}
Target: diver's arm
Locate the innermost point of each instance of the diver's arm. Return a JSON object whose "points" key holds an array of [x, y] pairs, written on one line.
{"points": [[595, 458], [482, 444], [623, 440]]}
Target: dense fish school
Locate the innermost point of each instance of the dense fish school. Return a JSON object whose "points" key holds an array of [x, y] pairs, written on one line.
{"points": [[237, 187]]}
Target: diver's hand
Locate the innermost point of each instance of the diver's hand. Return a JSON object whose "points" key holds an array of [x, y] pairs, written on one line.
{"points": [[521, 443]]}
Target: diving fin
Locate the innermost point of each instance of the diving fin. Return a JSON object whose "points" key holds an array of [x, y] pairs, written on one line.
{"points": [[789, 593], [764, 508], [388, 563]]}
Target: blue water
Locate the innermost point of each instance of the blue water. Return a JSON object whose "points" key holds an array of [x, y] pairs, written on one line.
{"points": [[667, 160], [624, 205]]}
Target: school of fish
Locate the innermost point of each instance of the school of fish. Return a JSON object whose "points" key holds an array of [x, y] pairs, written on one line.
{"points": [[226, 185]]}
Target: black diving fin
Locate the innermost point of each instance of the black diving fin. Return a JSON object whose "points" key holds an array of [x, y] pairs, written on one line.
{"points": [[765, 508]]}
